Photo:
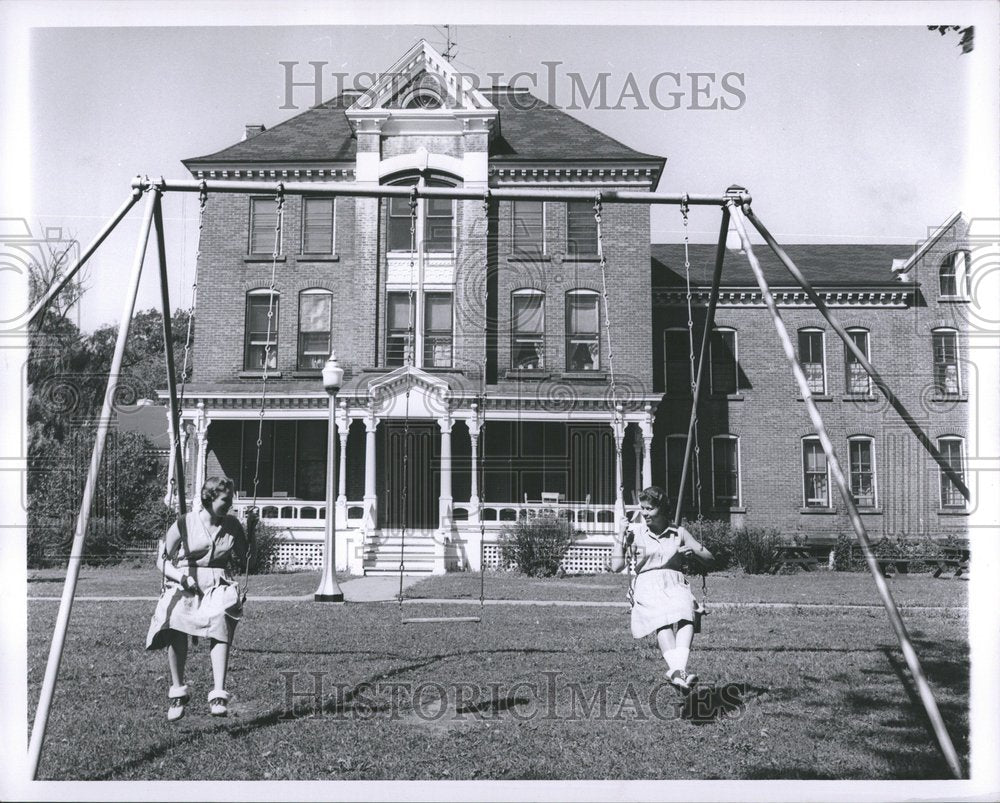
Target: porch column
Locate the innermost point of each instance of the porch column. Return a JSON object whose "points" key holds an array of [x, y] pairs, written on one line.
{"points": [[445, 501], [618, 429], [475, 424], [646, 427], [343, 424], [370, 520], [637, 448], [201, 424]]}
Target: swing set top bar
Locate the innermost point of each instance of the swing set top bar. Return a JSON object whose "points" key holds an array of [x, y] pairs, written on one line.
{"points": [[335, 188]]}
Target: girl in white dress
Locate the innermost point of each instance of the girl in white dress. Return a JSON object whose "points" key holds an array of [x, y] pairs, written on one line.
{"points": [[662, 602]]}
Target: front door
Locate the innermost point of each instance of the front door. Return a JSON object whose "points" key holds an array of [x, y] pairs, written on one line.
{"points": [[408, 497]]}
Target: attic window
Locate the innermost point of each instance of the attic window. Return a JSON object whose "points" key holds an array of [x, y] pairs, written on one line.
{"points": [[424, 99]]}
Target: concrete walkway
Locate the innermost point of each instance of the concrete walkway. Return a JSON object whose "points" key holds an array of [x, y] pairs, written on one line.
{"points": [[376, 588]]}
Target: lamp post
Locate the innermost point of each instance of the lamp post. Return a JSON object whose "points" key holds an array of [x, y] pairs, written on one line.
{"points": [[328, 590]]}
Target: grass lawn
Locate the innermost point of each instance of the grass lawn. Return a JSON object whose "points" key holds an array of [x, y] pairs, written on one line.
{"points": [[530, 693]]}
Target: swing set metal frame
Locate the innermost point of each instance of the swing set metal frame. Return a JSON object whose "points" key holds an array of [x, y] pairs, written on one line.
{"points": [[735, 205]]}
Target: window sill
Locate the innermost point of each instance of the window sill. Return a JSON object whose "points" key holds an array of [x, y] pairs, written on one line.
{"points": [[318, 257], [953, 300], [949, 398], [861, 397], [953, 511], [817, 397], [818, 511], [528, 258], [577, 376], [733, 509], [264, 258], [259, 374], [870, 511], [307, 374], [727, 396], [581, 258], [514, 373]]}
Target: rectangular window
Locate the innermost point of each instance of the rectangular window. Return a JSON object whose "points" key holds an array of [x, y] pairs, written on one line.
{"points": [[812, 360], [581, 229], [527, 331], [951, 450], [398, 223], [675, 467], [261, 339], [856, 377], [726, 472], [529, 228], [677, 362], [263, 219], [438, 220], [317, 225], [862, 467], [315, 311], [722, 355], [437, 330], [815, 474], [583, 342], [400, 325], [946, 362]]}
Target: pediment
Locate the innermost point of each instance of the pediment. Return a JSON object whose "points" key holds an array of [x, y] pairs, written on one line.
{"points": [[409, 392], [421, 83]]}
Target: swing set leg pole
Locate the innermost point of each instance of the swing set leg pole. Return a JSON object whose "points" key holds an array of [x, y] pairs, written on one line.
{"points": [[713, 300], [76, 553], [168, 351], [860, 356], [912, 661], [53, 291]]}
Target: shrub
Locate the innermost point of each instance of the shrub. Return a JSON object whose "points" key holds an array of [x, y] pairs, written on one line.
{"points": [[843, 553], [717, 537], [755, 549], [536, 546], [263, 551]]}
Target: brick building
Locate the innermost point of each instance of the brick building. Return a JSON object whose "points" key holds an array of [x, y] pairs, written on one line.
{"points": [[475, 338]]}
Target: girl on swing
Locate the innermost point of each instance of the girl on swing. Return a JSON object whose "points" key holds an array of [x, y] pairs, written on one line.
{"points": [[662, 601], [199, 596]]}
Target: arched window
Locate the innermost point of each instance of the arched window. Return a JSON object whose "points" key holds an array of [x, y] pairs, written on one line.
{"points": [[261, 333], [315, 323], [952, 448], [438, 214], [527, 330], [815, 474], [812, 358], [583, 338], [726, 471], [953, 275], [945, 353], [862, 470], [855, 376]]}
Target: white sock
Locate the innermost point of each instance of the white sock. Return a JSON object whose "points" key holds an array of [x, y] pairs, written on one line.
{"points": [[673, 659], [681, 657]]}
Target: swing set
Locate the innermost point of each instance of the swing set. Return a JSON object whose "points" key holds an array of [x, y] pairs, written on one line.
{"points": [[735, 206]]}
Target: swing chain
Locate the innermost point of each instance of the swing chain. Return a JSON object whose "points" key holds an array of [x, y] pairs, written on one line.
{"points": [[696, 473]]}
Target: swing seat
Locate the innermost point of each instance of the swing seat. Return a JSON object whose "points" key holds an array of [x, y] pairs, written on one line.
{"points": [[419, 620]]}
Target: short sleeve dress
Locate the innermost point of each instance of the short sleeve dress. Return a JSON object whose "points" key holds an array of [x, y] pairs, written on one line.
{"points": [[203, 552], [661, 594]]}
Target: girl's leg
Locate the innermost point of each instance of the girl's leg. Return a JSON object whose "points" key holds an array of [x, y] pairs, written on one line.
{"points": [[220, 662], [683, 637], [177, 649], [667, 641]]}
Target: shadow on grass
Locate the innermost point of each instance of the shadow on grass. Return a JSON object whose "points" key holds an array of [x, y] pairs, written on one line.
{"points": [[708, 704]]}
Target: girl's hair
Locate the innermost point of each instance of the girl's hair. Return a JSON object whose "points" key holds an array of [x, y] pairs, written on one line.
{"points": [[215, 487], [655, 496]]}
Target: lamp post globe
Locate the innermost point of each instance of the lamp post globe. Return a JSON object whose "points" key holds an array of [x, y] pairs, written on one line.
{"points": [[329, 590]]}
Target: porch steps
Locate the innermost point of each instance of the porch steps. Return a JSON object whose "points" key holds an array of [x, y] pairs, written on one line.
{"points": [[382, 554]]}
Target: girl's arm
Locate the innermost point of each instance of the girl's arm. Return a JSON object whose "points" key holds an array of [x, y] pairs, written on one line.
{"points": [[690, 546], [165, 561], [619, 550]]}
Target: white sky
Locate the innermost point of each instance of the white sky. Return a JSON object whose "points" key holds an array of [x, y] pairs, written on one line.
{"points": [[847, 134]]}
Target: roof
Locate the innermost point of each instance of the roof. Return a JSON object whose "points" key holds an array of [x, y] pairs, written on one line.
{"points": [[530, 130], [823, 265], [930, 242]]}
